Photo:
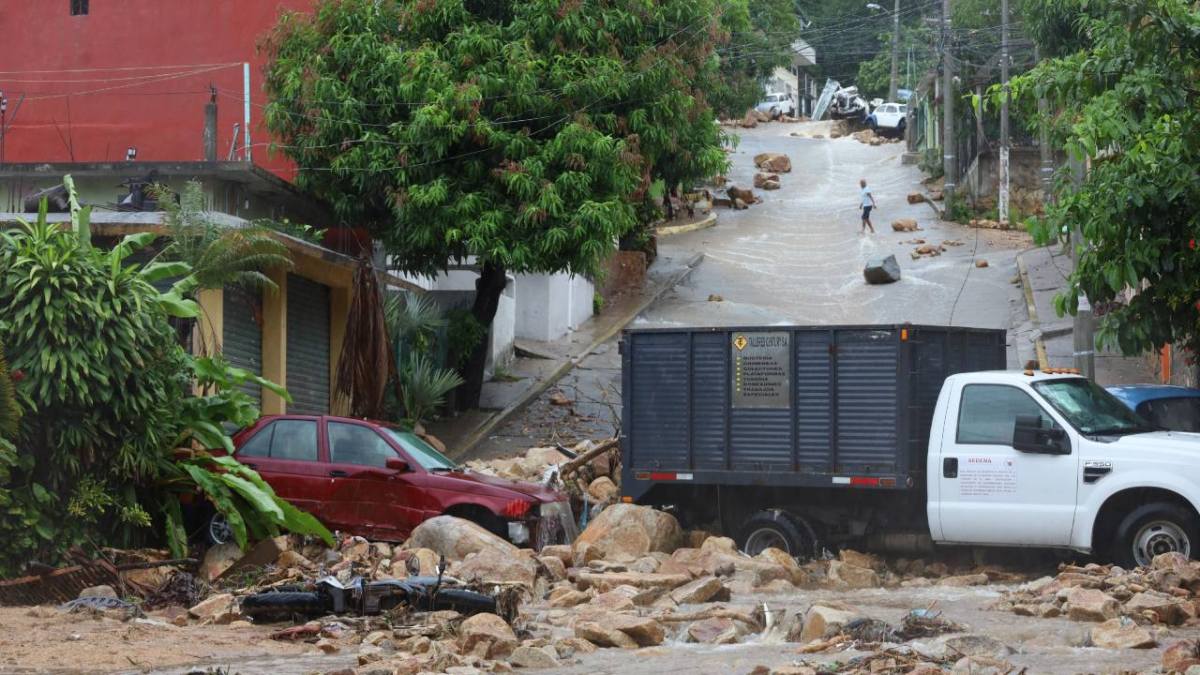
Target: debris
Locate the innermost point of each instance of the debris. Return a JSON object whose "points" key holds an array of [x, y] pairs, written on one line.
{"points": [[218, 559], [560, 399], [715, 298], [905, 225], [773, 162], [750, 120], [534, 657], [603, 490], [627, 531], [981, 263], [764, 181], [486, 636], [822, 621], [882, 270], [1122, 633], [714, 631], [103, 591], [747, 196], [915, 198], [219, 609]]}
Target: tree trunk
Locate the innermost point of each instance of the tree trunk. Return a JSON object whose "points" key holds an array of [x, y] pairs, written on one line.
{"points": [[488, 288]]}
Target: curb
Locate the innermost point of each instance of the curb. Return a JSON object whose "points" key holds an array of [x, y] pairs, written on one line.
{"points": [[1039, 345], [567, 366], [670, 230]]}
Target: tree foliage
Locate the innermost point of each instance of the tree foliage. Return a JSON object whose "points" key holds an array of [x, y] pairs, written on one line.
{"points": [[761, 34], [103, 396], [1128, 100], [522, 135]]}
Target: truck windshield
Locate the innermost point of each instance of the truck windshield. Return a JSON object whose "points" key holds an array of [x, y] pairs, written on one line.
{"points": [[1091, 409], [421, 452]]}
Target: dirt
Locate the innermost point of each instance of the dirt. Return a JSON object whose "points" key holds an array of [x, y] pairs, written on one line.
{"points": [[46, 639]]}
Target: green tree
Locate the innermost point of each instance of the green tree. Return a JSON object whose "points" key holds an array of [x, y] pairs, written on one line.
{"points": [[761, 34], [520, 135], [1129, 101]]}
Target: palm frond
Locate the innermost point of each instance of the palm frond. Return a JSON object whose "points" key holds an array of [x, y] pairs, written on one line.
{"points": [[366, 365], [410, 315], [424, 386], [10, 412]]}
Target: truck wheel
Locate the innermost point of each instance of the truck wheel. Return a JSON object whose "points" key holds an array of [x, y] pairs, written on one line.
{"points": [[1153, 529], [776, 529]]}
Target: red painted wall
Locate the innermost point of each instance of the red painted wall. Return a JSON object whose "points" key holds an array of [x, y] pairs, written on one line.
{"points": [[132, 72]]}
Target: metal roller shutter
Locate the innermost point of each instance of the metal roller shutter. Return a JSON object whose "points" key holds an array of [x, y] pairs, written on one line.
{"points": [[307, 346], [241, 334]]}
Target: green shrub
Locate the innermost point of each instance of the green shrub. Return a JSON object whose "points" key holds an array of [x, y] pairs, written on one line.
{"points": [[424, 387]]}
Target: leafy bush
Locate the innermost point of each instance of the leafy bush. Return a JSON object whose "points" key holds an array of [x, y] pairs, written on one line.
{"points": [[424, 386]]}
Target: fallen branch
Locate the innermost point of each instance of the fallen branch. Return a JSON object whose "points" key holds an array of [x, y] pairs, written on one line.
{"points": [[574, 464]]}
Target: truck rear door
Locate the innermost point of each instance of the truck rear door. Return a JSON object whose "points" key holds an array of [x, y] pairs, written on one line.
{"points": [[988, 492]]}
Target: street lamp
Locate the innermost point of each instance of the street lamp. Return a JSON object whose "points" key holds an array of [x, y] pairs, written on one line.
{"points": [[895, 46]]}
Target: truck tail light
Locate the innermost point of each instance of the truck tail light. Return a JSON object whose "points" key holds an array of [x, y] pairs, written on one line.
{"points": [[517, 508]]}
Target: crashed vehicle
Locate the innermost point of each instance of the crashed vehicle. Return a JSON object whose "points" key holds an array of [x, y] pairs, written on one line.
{"points": [[897, 436], [378, 481], [847, 104], [889, 118], [776, 104]]}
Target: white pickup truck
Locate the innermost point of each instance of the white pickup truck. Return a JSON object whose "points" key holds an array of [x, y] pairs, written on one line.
{"points": [[896, 437]]}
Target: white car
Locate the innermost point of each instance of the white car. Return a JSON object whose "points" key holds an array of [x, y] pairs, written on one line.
{"points": [[889, 117], [776, 105]]}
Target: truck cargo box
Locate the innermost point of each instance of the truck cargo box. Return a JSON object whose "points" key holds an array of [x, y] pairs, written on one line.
{"points": [[813, 406]]}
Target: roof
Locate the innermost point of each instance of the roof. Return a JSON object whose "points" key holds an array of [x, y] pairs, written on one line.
{"points": [[1136, 394]]}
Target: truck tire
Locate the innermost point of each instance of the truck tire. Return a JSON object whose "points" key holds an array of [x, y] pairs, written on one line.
{"points": [[1153, 529], [779, 529]]}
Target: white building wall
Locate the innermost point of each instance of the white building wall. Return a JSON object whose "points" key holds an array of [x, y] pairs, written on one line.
{"points": [[550, 305], [581, 294]]}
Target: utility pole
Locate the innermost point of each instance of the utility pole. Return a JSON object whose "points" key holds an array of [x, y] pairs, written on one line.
{"points": [[949, 165], [892, 88], [1004, 141], [1084, 325], [1047, 169]]}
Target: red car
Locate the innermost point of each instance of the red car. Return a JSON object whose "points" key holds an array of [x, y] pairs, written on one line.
{"points": [[377, 481]]}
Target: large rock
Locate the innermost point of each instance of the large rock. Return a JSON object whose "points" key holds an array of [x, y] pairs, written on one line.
{"points": [[1157, 607], [1089, 604], [218, 559], [859, 559], [773, 162], [700, 590], [977, 646], [1122, 633], [882, 270], [486, 636], [786, 561], [604, 636], [220, 609], [627, 532], [1180, 656], [746, 196], [905, 225], [766, 181], [566, 597], [98, 592], [964, 580], [716, 631], [823, 620], [456, 538], [560, 551], [554, 567], [645, 631], [604, 582], [603, 490], [750, 120], [489, 566], [852, 576], [534, 657]]}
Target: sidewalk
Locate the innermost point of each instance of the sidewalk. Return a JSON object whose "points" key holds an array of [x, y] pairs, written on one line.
{"points": [[1044, 273], [540, 365]]}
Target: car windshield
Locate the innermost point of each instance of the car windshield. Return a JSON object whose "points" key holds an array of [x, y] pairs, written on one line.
{"points": [[421, 452], [1091, 409], [1173, 414]]}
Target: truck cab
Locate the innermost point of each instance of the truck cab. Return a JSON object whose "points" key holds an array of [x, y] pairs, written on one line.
{"points": [[1049, 459]]}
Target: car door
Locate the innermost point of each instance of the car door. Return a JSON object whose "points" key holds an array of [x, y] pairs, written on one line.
{"points": [[367, 497], [990, 493], [286, 454]]}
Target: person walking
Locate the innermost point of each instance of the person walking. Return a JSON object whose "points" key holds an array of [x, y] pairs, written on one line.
{"points": [[867, 201]]}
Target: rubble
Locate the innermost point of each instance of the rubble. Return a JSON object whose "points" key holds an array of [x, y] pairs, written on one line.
{"points": [[766, 181], [626, 532], [774, 163]]}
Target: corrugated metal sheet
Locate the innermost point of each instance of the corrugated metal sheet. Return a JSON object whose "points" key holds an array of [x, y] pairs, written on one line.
{"points": [[761, 439], [710, 398], [866, 401], [241, 333], [307, 346], [814, 401], [659, 399]]}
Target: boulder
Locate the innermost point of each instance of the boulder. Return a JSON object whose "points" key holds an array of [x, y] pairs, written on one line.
{"points": [[487, 636], [492, 567], [739, 205], [567, 597], [617, 600], [700, 590], [1122, 633], [627, 530], [1089, 604], [293, 560], [604, 636], [603, 490], [981, 263], [1159, 608], [1180, 656], [773, 162], [645, 631], [1172, 561], [749, 121], [905, 225], [772, 184], [716, 631], [736, 193], [964, 580], [787, 562], [456, 538], [221, 609], [915, 198], [534, 657], [604, 582], [554, 567], [859, 559], [568, 647], [218, 559], [823, 620], [977, 646], [560, 551], [882, 271]]}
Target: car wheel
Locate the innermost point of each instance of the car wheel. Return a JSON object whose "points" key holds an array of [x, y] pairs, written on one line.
{"points": [[217, 531], [776, 529], [1153, 529]]}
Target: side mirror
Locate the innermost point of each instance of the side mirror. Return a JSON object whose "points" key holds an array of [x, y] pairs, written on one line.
{"points": [[396, 464], [1030, 436]]}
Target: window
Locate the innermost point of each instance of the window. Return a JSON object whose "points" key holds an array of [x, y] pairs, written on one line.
{"points": [[1173, 414], [988, 413], [294, 440], [1091, 409], [354, 444], [79, 7], [423, 453]]}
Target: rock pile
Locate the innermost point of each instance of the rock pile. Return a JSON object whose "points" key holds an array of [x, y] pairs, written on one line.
{"points": [[773, 162], [986, 224], [1124, 603], [870, 137]]}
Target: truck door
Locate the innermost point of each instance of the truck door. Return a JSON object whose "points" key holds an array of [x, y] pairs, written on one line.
{"points": [[989, 493]]}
